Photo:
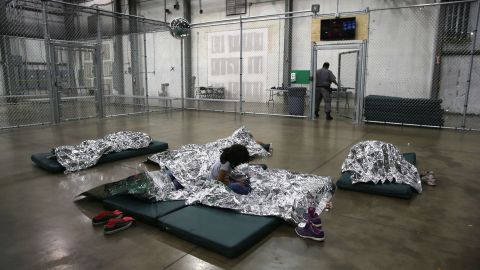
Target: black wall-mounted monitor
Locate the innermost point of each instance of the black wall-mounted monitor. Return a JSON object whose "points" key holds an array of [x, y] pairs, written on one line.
{"points": [[338, 29]]}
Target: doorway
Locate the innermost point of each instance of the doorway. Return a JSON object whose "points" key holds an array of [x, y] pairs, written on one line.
{"points": [[347, 60], [76, 90]]}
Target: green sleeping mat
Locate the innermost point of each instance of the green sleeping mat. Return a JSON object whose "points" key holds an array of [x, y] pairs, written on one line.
{"points": [[144, 211], [221, 230], [48, 161], [403, 191]]}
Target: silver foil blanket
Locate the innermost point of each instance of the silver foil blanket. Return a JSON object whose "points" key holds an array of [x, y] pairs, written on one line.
{"points": [[275, 192], [87, 153], [193, 161], [376, 161]]}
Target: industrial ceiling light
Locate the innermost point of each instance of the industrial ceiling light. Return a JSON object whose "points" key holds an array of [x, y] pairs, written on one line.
{"points": [[315, 9]]}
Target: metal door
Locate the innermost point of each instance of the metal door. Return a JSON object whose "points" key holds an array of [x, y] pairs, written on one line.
{"points": [[75, 81], [347, 79], [352, 58]]}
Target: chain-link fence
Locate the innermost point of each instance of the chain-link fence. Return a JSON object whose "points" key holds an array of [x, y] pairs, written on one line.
{"points": [[60, 61], [23, 72], [418, 65], [245, 66]]}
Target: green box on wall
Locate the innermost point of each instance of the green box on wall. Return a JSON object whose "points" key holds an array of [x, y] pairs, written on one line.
{"points": [[300, 76]]}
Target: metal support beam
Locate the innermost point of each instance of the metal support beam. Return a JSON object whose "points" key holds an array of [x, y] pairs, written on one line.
{"points": [[470, 68], [70, 31], [99, 69], [52, 91], [287, 43], [146, 68], [241, 65], [187, 46], [5, 51], [134, 52], [313, 69], [118, 68], [182, 85]]}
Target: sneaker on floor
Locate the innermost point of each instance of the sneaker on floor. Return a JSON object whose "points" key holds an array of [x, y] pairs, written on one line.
{"points": [[313, 217], [311, 232], [104, 216], [117, 224]]}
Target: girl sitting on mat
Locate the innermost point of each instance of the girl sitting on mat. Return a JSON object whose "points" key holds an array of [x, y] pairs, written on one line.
{"points": [[230, 158]]}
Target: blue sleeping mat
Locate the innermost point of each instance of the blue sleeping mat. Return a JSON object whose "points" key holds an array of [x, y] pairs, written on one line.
{"points": [[48, 161], [221, 230], [403, 191], [148, 212]]}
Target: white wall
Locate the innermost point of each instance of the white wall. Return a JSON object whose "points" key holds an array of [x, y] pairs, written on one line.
{"points": [[163, 54], [255, 82], [163, 51], [401, 52]]}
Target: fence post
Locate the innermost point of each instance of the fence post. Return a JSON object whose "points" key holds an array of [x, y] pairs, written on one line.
{"points": [[146, 66], [181, 74], [469, 79], [241, 65], [99, 68], [313, 77], [54, 102]]}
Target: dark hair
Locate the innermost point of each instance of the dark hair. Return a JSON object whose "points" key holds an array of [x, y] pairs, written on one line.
{"points": [[235, 154], [326, 65]]}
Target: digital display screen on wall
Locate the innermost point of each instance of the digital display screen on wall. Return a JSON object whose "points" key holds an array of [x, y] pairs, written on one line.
{"points": [[338, 29]]}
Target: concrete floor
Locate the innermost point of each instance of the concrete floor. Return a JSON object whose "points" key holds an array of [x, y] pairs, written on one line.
{"points": [[42, 227]]}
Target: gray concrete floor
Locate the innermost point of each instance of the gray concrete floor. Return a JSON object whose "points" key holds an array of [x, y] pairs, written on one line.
{"points": [[42, 227]]}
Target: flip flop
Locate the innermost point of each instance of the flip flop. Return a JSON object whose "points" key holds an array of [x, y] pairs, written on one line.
{"points": [[429, 180]]}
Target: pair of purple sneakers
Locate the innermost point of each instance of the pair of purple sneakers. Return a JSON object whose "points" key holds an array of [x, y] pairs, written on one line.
{"points": [[313, 226]]}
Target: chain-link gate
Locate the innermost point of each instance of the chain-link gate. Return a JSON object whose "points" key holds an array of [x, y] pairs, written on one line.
{"points": [[75, 82], [345, 94]]}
